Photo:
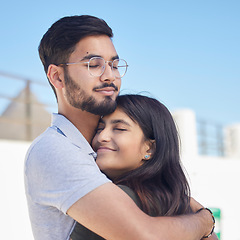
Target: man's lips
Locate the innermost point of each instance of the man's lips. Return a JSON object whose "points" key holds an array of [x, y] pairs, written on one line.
{"points": [[106, 90]]}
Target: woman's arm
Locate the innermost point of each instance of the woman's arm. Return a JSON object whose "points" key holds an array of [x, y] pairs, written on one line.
{"points": [[109, 212]]}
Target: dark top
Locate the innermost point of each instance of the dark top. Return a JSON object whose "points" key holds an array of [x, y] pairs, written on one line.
{"points": [[82, 233]]}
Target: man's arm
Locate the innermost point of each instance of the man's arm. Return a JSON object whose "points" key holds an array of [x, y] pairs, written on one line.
{"points": [[109, 212], [213, 237]]}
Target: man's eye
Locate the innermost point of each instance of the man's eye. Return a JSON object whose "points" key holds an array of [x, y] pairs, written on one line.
{"points": [[94, 66]]}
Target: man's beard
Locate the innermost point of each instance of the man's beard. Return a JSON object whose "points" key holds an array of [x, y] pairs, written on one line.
{"points": [[78, 98]]}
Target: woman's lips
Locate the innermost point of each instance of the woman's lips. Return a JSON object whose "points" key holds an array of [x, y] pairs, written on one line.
{"points": [[105, 149]]}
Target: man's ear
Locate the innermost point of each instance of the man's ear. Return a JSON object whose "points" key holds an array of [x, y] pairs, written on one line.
{"points": [[55, 75]]}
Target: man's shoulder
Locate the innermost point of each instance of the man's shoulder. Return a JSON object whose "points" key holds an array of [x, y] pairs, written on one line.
{"points": [[47, 138], [50, 143], [53, 146]]}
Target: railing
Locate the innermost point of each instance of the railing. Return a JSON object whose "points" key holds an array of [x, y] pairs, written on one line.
{"points": [[210, 135], [26, 99], [210, 138]]}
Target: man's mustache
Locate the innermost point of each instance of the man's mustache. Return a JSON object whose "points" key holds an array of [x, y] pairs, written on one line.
{"points": [[104, 85]]}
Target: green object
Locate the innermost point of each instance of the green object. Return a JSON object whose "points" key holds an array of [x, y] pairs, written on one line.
{"points": [[217, 215]]}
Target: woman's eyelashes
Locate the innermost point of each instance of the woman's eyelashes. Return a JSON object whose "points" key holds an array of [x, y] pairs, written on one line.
{"points": [[113, 128], [99, 129], [119, 129]]}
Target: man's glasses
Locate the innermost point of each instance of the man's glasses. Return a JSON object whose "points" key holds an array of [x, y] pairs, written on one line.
{"points": [[96, 66]]}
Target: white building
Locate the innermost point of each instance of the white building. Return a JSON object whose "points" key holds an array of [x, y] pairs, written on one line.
{"points": [[214, 180]]}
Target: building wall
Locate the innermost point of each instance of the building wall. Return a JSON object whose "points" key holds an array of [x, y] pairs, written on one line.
{"points": [[214, 183], [14, 214], [213, 180]]}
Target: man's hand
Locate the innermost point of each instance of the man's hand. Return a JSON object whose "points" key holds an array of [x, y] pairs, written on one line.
{"points": [[196, 206]]}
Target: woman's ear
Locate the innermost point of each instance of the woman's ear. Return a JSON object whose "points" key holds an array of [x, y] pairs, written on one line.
{"points": [[150, 149], [55, 75]]}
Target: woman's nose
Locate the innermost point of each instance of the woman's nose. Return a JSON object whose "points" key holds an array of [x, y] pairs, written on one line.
{"points": [[104, 136]]}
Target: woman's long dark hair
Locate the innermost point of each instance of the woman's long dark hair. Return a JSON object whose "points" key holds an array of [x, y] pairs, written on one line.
{"points": [[160, 182]]}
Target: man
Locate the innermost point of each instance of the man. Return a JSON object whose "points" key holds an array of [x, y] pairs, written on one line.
{"points": [[62, 179]]}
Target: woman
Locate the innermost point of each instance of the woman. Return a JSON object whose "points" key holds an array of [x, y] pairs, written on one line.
{"points": [[137, 147]]}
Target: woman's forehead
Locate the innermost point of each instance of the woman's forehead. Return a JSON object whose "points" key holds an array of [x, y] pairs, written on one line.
{"points": [[118, 116]]}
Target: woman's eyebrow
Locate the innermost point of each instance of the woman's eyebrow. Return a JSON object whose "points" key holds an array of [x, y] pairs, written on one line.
{"points": [[120, 121], [101, 121]]}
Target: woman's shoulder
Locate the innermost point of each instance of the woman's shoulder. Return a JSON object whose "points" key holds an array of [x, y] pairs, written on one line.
{"points": [[131, 194]]}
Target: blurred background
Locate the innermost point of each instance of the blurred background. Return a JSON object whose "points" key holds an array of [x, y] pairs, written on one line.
{"points": [[184, 53]]}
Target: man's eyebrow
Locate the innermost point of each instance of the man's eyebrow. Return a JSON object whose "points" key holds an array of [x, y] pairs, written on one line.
{"points": [[89, 56], [115, 57]]}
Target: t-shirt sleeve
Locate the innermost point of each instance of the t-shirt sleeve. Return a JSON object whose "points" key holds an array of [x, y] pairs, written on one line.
{"points": [[59, 173]]}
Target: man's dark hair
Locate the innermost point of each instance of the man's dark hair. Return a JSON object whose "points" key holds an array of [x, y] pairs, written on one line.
{"points": [[61, 38]]}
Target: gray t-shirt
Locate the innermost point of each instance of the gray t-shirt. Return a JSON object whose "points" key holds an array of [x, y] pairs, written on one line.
{"points": [[59, 169]]}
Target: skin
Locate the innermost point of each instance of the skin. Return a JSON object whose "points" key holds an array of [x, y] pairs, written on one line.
{"points": [[120, 144], [107, 210], [89, 46]]}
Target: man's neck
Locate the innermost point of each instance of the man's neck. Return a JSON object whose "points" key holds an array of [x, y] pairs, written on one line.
{"points": [[84, 121]]}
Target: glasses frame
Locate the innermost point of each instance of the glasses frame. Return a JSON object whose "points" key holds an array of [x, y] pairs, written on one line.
{"points": [[104, 67]]}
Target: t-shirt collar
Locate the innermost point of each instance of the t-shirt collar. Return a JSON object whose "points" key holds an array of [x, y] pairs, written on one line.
{"points": [[65, 127]]}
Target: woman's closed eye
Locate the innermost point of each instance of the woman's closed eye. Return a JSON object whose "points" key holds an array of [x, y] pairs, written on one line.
{"points": [[119, 129], [99, 129]]}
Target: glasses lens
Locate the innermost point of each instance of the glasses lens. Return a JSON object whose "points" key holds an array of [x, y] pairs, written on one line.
{"points": [[119, 68], [96, 66]]}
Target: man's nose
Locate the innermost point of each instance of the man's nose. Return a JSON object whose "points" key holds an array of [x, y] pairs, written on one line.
{"points": [[108, 74]]}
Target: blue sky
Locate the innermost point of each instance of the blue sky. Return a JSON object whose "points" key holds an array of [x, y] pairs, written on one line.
{"points": [[185, 53]]}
